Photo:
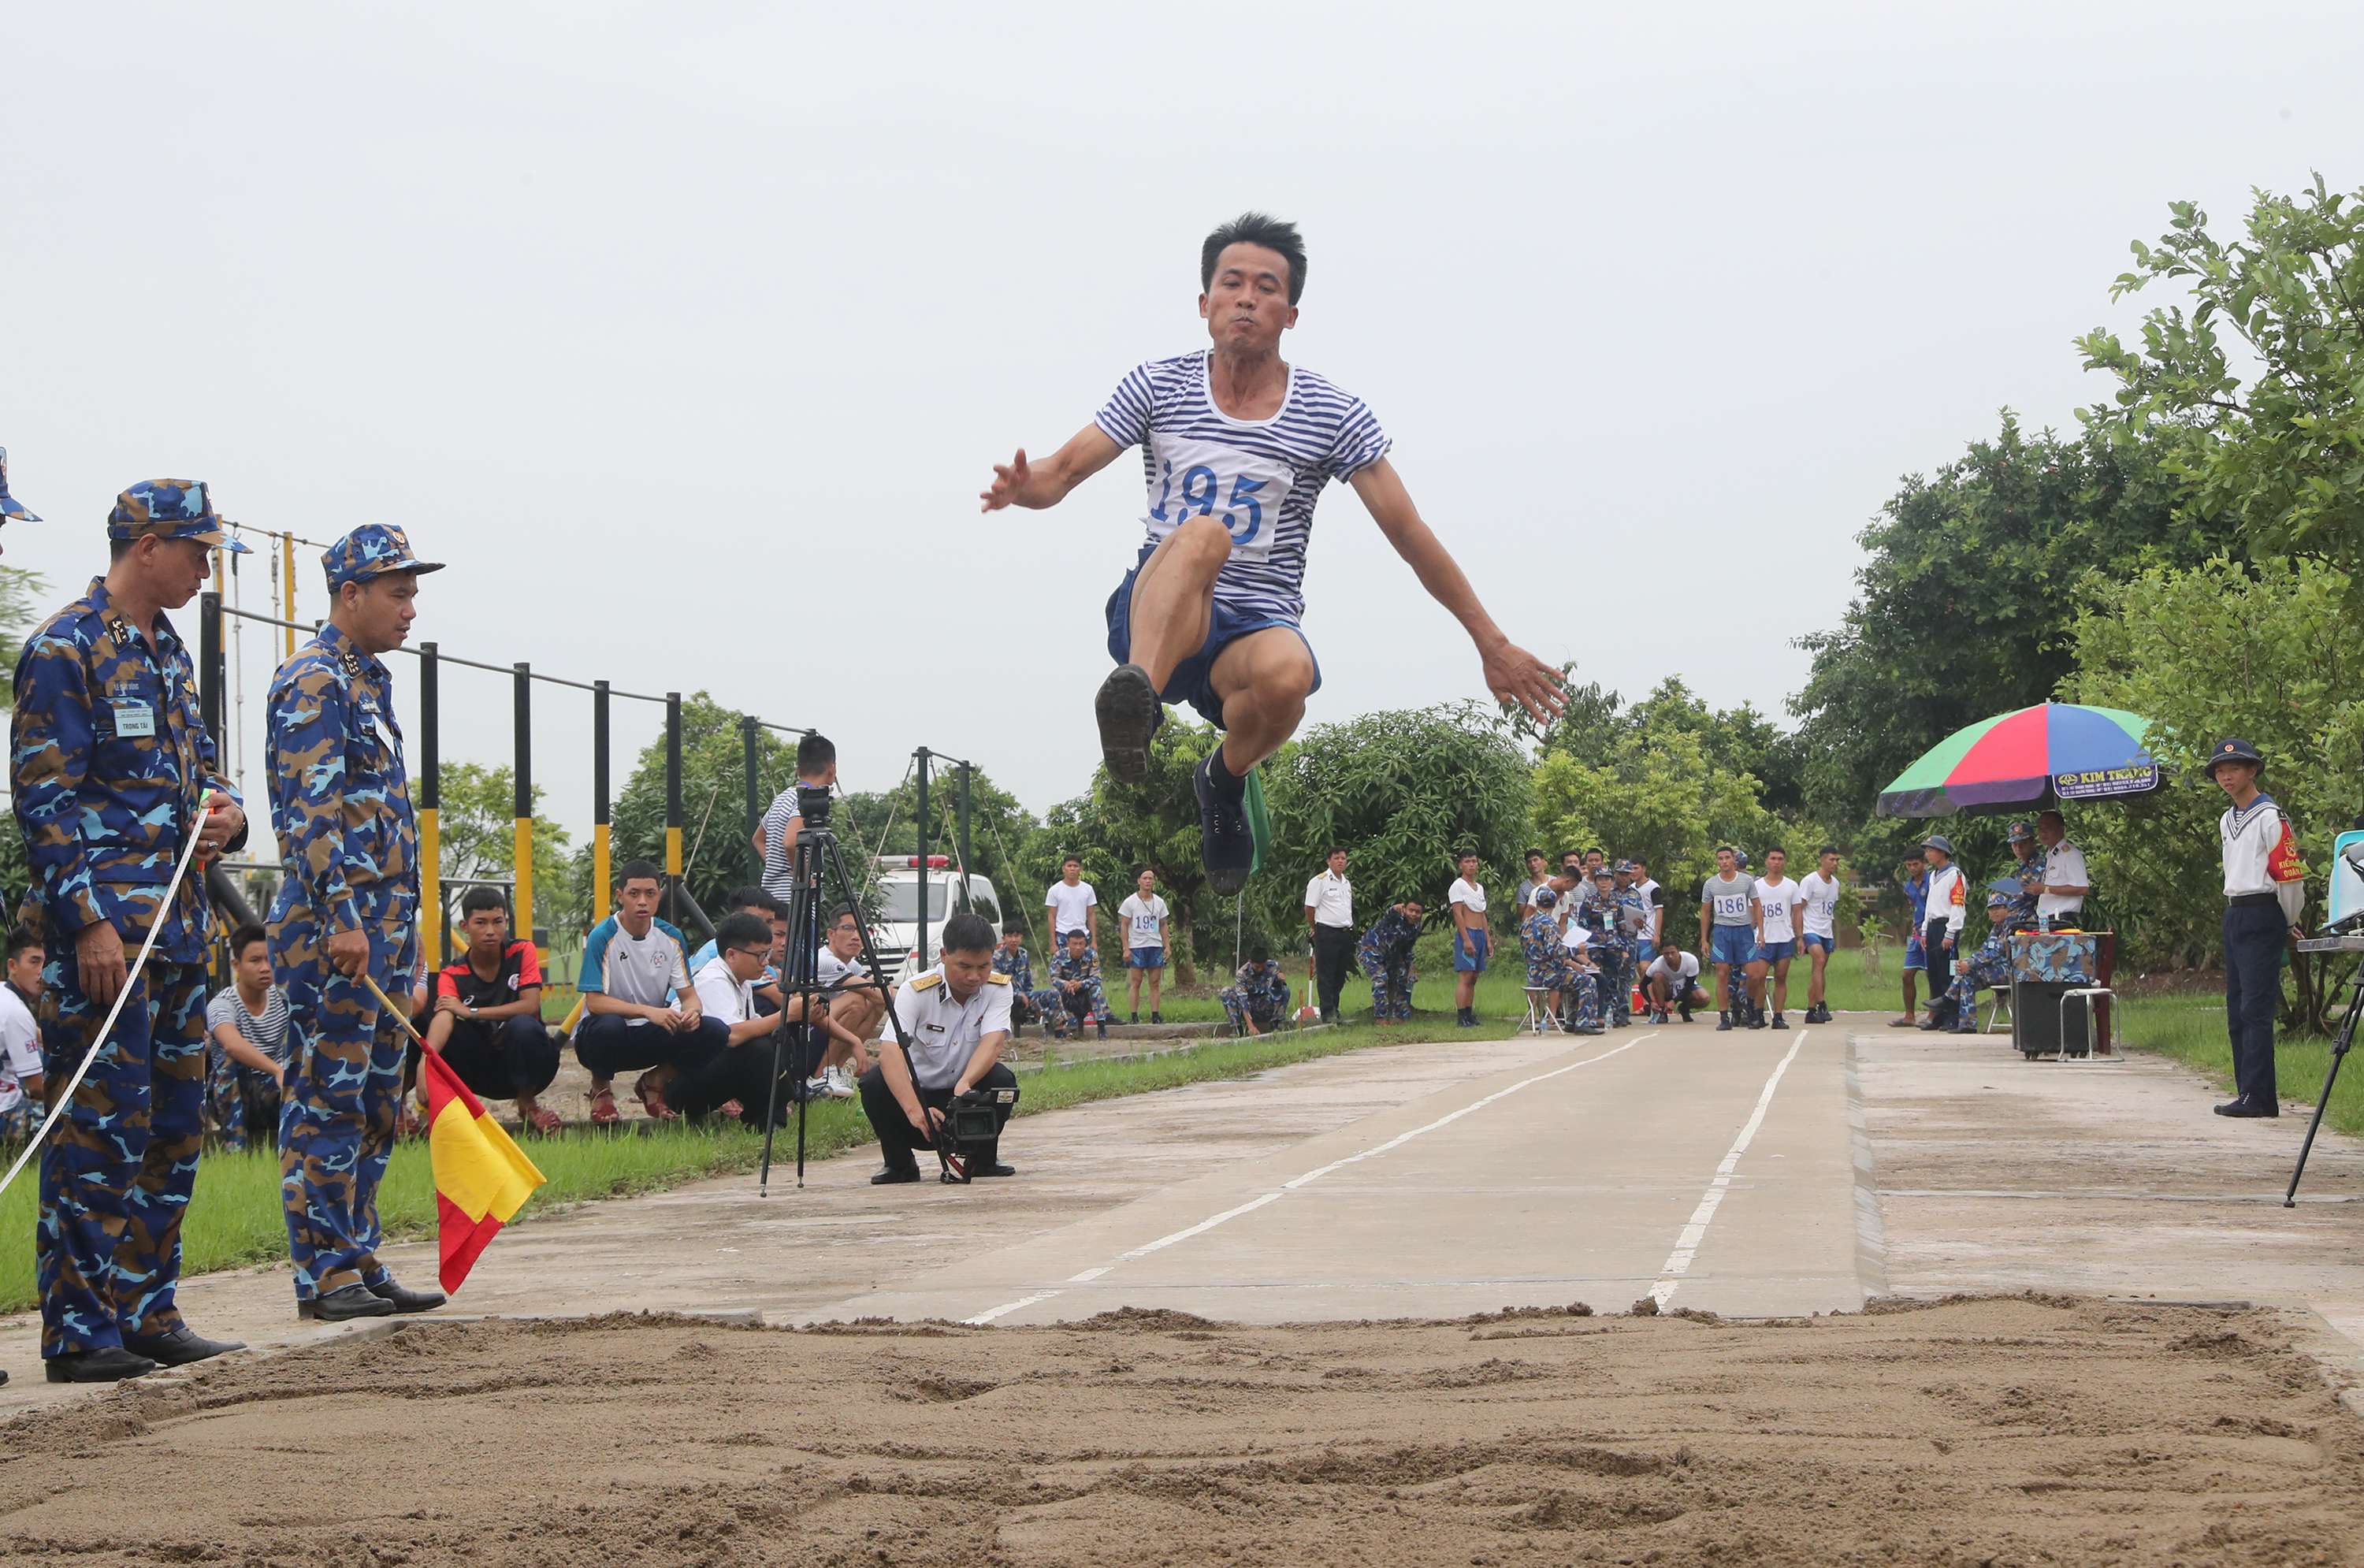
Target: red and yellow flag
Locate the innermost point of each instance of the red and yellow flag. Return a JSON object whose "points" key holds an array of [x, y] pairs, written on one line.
{"points": [[482, 1178]]}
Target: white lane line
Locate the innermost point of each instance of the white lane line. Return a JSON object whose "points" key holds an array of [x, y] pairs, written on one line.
{"points": [[1687, 1245], [1315, 1174]]}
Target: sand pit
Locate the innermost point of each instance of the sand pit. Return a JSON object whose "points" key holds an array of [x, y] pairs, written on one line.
{"points": [[2019, 1431]]}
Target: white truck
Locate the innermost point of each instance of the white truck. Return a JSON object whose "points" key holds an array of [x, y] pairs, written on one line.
{"points": [[896, 933]]}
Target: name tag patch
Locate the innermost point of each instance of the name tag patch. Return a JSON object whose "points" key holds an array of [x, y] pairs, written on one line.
{"points": [[134, 720]]}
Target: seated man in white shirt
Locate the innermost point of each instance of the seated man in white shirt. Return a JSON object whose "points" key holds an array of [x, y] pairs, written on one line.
{"points": [[20, 1040], [956, 1018], [638, 1007], [2065, 880], [852, 1010], [734, 1083]]}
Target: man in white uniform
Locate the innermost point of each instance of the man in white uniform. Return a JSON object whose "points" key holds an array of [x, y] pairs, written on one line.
{"points": [[2265, 899], [956, 1016], [2065, 880], [1330, 915]]}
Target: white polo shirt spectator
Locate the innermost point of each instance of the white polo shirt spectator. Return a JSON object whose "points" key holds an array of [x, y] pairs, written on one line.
{"points": [[1332, 898], [20, 1048], [1071, 906], [723, 994], [649, 971]]}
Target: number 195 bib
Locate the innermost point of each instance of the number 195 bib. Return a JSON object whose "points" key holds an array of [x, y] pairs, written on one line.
{"points": [[1199, 479]]}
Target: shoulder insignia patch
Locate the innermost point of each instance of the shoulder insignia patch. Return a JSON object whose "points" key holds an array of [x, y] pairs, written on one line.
{"points": [[927, 982], [996, 978]]}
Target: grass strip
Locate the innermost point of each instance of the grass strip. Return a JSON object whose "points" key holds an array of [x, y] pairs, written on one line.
{"points": [[2191, 1030]]}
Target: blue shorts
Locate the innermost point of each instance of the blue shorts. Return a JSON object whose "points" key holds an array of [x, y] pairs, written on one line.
{"points": [[1913, 957], [1810, 941], [1643, 951], [1774, 952], [1193, 679], [1469, 952], [1145, 957], [1731, 944]]}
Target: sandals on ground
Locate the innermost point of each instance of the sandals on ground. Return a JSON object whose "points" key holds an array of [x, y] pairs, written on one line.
{"points": [[544, 1120], [652, 1101], [603, 1108]]}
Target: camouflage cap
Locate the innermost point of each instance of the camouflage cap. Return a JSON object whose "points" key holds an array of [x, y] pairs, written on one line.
{"points": [[371, 550], [170, 508], [10, 507], [2020, 833]]}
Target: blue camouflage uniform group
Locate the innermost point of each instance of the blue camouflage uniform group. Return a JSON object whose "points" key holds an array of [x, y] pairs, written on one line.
{"points": [[114, 772], [1073, 999], [1554, 967], [340, 804], [1384, 956], [1016, 965], [1260, 991], [1615, 917]]}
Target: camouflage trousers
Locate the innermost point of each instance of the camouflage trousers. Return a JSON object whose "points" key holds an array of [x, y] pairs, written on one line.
{"points": [[17, 1123], [1579, 1000], [1391, 982], [1616, 979], [1065, 1010], [241, 1104], [1263, 1007], [117, 1174], [1992, 970], [340, 1111]]}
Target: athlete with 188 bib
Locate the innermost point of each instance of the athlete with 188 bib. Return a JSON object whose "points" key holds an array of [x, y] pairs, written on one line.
{"points": [[1237, 443]]}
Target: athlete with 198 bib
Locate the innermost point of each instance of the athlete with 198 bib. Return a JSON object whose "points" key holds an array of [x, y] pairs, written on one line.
{"points": [[1236, 444]]}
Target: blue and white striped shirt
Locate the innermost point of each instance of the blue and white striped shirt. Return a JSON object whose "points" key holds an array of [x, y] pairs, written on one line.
{"points": [[1260, 476]]}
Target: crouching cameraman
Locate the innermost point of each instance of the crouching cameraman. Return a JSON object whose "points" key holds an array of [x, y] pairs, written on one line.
{"points": [[955, 1016]]}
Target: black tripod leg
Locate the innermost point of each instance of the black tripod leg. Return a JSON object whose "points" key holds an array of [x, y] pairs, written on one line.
{"points": [[2322, 1101]]}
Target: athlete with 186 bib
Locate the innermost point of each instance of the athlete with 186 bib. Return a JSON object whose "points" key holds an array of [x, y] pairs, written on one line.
{"points": [[1237, 444]]}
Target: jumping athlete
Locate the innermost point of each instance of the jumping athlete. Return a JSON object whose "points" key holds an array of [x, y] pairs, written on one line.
{"points": [[1236, 444]]}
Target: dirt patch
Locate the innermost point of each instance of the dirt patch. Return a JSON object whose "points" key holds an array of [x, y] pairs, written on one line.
{"points": [[2017, 1430]]}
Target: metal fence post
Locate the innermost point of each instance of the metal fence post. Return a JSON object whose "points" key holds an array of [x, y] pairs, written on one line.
{"points": [[521, 913], [600, 850], [750, 744], [964, 862], [672, 792], [920, 819], [431, 808]]}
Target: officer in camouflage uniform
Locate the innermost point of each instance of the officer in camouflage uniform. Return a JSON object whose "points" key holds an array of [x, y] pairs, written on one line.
{"points": [[1260, 1000], [113, 769], [1989, 966], [1608, 915], [1015, 965], [1074, 998], [2027, 870], [1539, 943], [1384, 955], [347, 905]]}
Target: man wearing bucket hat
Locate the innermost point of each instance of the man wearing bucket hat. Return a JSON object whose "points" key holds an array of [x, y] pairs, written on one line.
{"points": [[347, 909], [2265, 896], [113, 769], [1949, 903]]}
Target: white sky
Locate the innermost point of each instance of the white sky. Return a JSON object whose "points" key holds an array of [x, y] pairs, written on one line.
{"points": [[688, 333]]}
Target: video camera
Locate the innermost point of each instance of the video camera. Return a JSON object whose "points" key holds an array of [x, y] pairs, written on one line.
{"points": [[971, 1131], [813, 805]]}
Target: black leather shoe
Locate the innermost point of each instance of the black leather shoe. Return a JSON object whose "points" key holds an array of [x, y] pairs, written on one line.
{"points": [[2248, 1109], [893, 1178], [1929, 1025], [996, 1168], [1722, 1022], [109, 1365], [405, 1299], [341, 1306], [179, 1347]]}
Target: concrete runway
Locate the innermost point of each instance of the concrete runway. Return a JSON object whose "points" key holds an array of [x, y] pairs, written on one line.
{"points": [[1751, 1173]]}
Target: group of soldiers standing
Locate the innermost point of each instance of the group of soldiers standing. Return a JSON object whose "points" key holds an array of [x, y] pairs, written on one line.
{"points": [[120, 798]]}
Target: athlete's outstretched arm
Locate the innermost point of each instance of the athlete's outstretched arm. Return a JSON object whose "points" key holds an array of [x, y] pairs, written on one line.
{"points": [[1513, 673], [1021, 483]]}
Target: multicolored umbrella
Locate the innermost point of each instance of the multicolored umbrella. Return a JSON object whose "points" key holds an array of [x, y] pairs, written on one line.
{"points": [[2051, 751]]}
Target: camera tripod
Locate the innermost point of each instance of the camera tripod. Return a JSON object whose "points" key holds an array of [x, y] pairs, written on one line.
{"points": [[793, 1051], [2339, 1045]]}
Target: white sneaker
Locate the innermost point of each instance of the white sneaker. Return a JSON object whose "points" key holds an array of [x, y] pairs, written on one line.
{"points": [[840, 1087]]}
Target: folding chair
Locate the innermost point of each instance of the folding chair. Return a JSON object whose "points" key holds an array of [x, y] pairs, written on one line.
{"points": [[1542, 1017]]}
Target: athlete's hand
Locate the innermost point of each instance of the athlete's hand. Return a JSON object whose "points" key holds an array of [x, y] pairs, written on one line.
{"points": [[1007, 483], [1513, 674], [99, 966]]}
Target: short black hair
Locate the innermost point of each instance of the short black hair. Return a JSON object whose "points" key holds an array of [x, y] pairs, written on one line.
{"points": [[20, 939], [1255, 229], [743, 931], [1537, 855], [1776, 850], [1464, 854], [1826, 849], [117, 549], [1077, 934], [751, 897], [814, 752], [839, 912], [251, 931], [1333, 850], [477, 898], [1066, 860], [1597, 850], [1259, 951], [638, 871], [966, 932]]}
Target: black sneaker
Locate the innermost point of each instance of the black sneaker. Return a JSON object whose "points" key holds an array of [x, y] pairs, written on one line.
{"points": [[1756, 1018], [1722, 1022], [1130, 715], [1779, 1022], [1136, 1018], [1154, 1018], [1225, 846]]}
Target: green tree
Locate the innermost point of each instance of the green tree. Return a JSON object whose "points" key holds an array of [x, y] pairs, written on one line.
{"points": [[2268, 652], [718, 853], [886, 823], [2255, 399], [1404, 792], [476, 834], [1963, 609]]}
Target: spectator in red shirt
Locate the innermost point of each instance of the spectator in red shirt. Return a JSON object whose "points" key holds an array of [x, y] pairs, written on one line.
{"points": [[487, 1021]]}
